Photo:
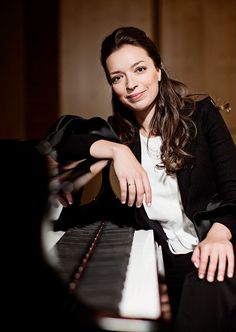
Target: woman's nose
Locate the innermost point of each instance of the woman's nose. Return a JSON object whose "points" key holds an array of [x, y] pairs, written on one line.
{"points": [[130, 84]]}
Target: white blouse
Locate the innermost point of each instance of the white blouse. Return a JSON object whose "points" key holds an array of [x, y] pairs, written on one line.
{"points": [[166, 205]]}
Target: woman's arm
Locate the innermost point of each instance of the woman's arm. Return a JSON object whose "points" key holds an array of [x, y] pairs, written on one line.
{"points": [[133, 179], [214, 256]]}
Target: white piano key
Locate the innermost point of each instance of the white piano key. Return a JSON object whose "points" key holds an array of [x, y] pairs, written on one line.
{"points": [[140, 297]]}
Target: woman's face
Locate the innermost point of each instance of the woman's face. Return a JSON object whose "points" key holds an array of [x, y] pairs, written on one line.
{"points": [[134, 77]]}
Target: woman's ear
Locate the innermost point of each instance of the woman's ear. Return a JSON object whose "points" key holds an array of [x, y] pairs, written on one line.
{"points": [[159, 74]]}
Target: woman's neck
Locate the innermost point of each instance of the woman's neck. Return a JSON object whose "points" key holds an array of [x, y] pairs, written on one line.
{"points": [[144, 119]]}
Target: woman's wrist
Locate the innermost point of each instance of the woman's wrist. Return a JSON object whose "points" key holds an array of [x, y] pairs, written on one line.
{"points": [[106, 149], [220, 230]]}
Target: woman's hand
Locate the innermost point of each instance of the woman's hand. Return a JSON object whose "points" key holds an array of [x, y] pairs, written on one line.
{"points": [[214, 256], [133, 179]]}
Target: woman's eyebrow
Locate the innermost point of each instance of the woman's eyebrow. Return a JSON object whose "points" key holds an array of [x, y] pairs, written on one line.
{"points": [[134, 65]]}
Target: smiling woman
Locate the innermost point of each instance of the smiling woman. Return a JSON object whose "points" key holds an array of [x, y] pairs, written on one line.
{"points": [[175, 138]]}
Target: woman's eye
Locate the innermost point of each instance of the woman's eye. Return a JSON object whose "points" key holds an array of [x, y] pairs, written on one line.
{"points": [[140, 69], [115, 79]]}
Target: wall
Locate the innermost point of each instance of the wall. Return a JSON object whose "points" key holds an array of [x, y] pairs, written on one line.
{"points": [[198, 43], [12, 85], [50, 55], [29, 100], [84, 24]]}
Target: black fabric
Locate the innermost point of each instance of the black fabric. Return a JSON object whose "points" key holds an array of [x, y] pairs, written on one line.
{"points": [[211, 306], [176, 269], [71, 137]]}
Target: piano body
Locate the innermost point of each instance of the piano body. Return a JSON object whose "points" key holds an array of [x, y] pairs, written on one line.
{"points": [[81, 277]]}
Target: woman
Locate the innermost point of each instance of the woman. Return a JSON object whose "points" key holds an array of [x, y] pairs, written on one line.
{"points": [[189, 157], [176, 168]]}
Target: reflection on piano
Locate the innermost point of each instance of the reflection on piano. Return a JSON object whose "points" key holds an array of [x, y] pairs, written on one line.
{"points": [[80, 282]]}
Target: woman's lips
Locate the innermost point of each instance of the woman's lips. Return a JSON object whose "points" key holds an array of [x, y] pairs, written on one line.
{"points": [[136, 96]]}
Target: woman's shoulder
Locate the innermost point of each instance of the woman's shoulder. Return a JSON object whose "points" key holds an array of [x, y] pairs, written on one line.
{"points": [[209, 117], [205, 103], [206, 108]]}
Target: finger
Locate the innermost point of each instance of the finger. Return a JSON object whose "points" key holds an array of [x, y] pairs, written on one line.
{"points": [[204, 258], [139, 193], [213, 262], [123, 190], [66, 199], [69, 198], [230, 261], [148, 191], [221, 268], [195, 257], [132, 193]]}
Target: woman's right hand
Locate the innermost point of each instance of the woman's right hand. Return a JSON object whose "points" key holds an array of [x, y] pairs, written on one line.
{"points": [[133, 179]]}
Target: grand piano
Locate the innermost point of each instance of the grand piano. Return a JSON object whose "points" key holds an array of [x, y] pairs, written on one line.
{"points": [[88, 277]]}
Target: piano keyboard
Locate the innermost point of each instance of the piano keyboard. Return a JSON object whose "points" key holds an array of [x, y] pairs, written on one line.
{"points": [[112, 269]]}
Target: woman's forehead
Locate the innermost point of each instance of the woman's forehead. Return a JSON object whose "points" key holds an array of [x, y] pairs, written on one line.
{"points": [[126, 56]]}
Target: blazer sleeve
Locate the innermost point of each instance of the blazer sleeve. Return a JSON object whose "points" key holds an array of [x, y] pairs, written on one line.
{"points": [[223, 155], [71, 137]]}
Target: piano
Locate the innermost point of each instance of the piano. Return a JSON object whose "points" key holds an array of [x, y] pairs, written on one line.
{"points": [[87, 277]]}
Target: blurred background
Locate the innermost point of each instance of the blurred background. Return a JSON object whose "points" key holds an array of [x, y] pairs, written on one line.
{"points": [[50, 50]]}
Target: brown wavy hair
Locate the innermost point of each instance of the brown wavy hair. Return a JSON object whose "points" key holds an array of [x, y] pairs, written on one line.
{"points": [[173, 111]]}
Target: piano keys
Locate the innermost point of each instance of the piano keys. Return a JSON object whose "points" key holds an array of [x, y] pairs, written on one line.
{"points": [[113, 270]]}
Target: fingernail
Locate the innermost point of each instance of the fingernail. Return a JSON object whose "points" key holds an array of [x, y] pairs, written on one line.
{"points": [[220, 278], [196, 265], [201, 276], [230, 275], [149, 204], [210, 279]]}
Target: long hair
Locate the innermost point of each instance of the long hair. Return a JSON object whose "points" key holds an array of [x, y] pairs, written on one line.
{"points": [[172, 116]]}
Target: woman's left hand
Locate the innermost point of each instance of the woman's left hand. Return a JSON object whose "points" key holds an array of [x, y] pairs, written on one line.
{"points": [[214, 256]]}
